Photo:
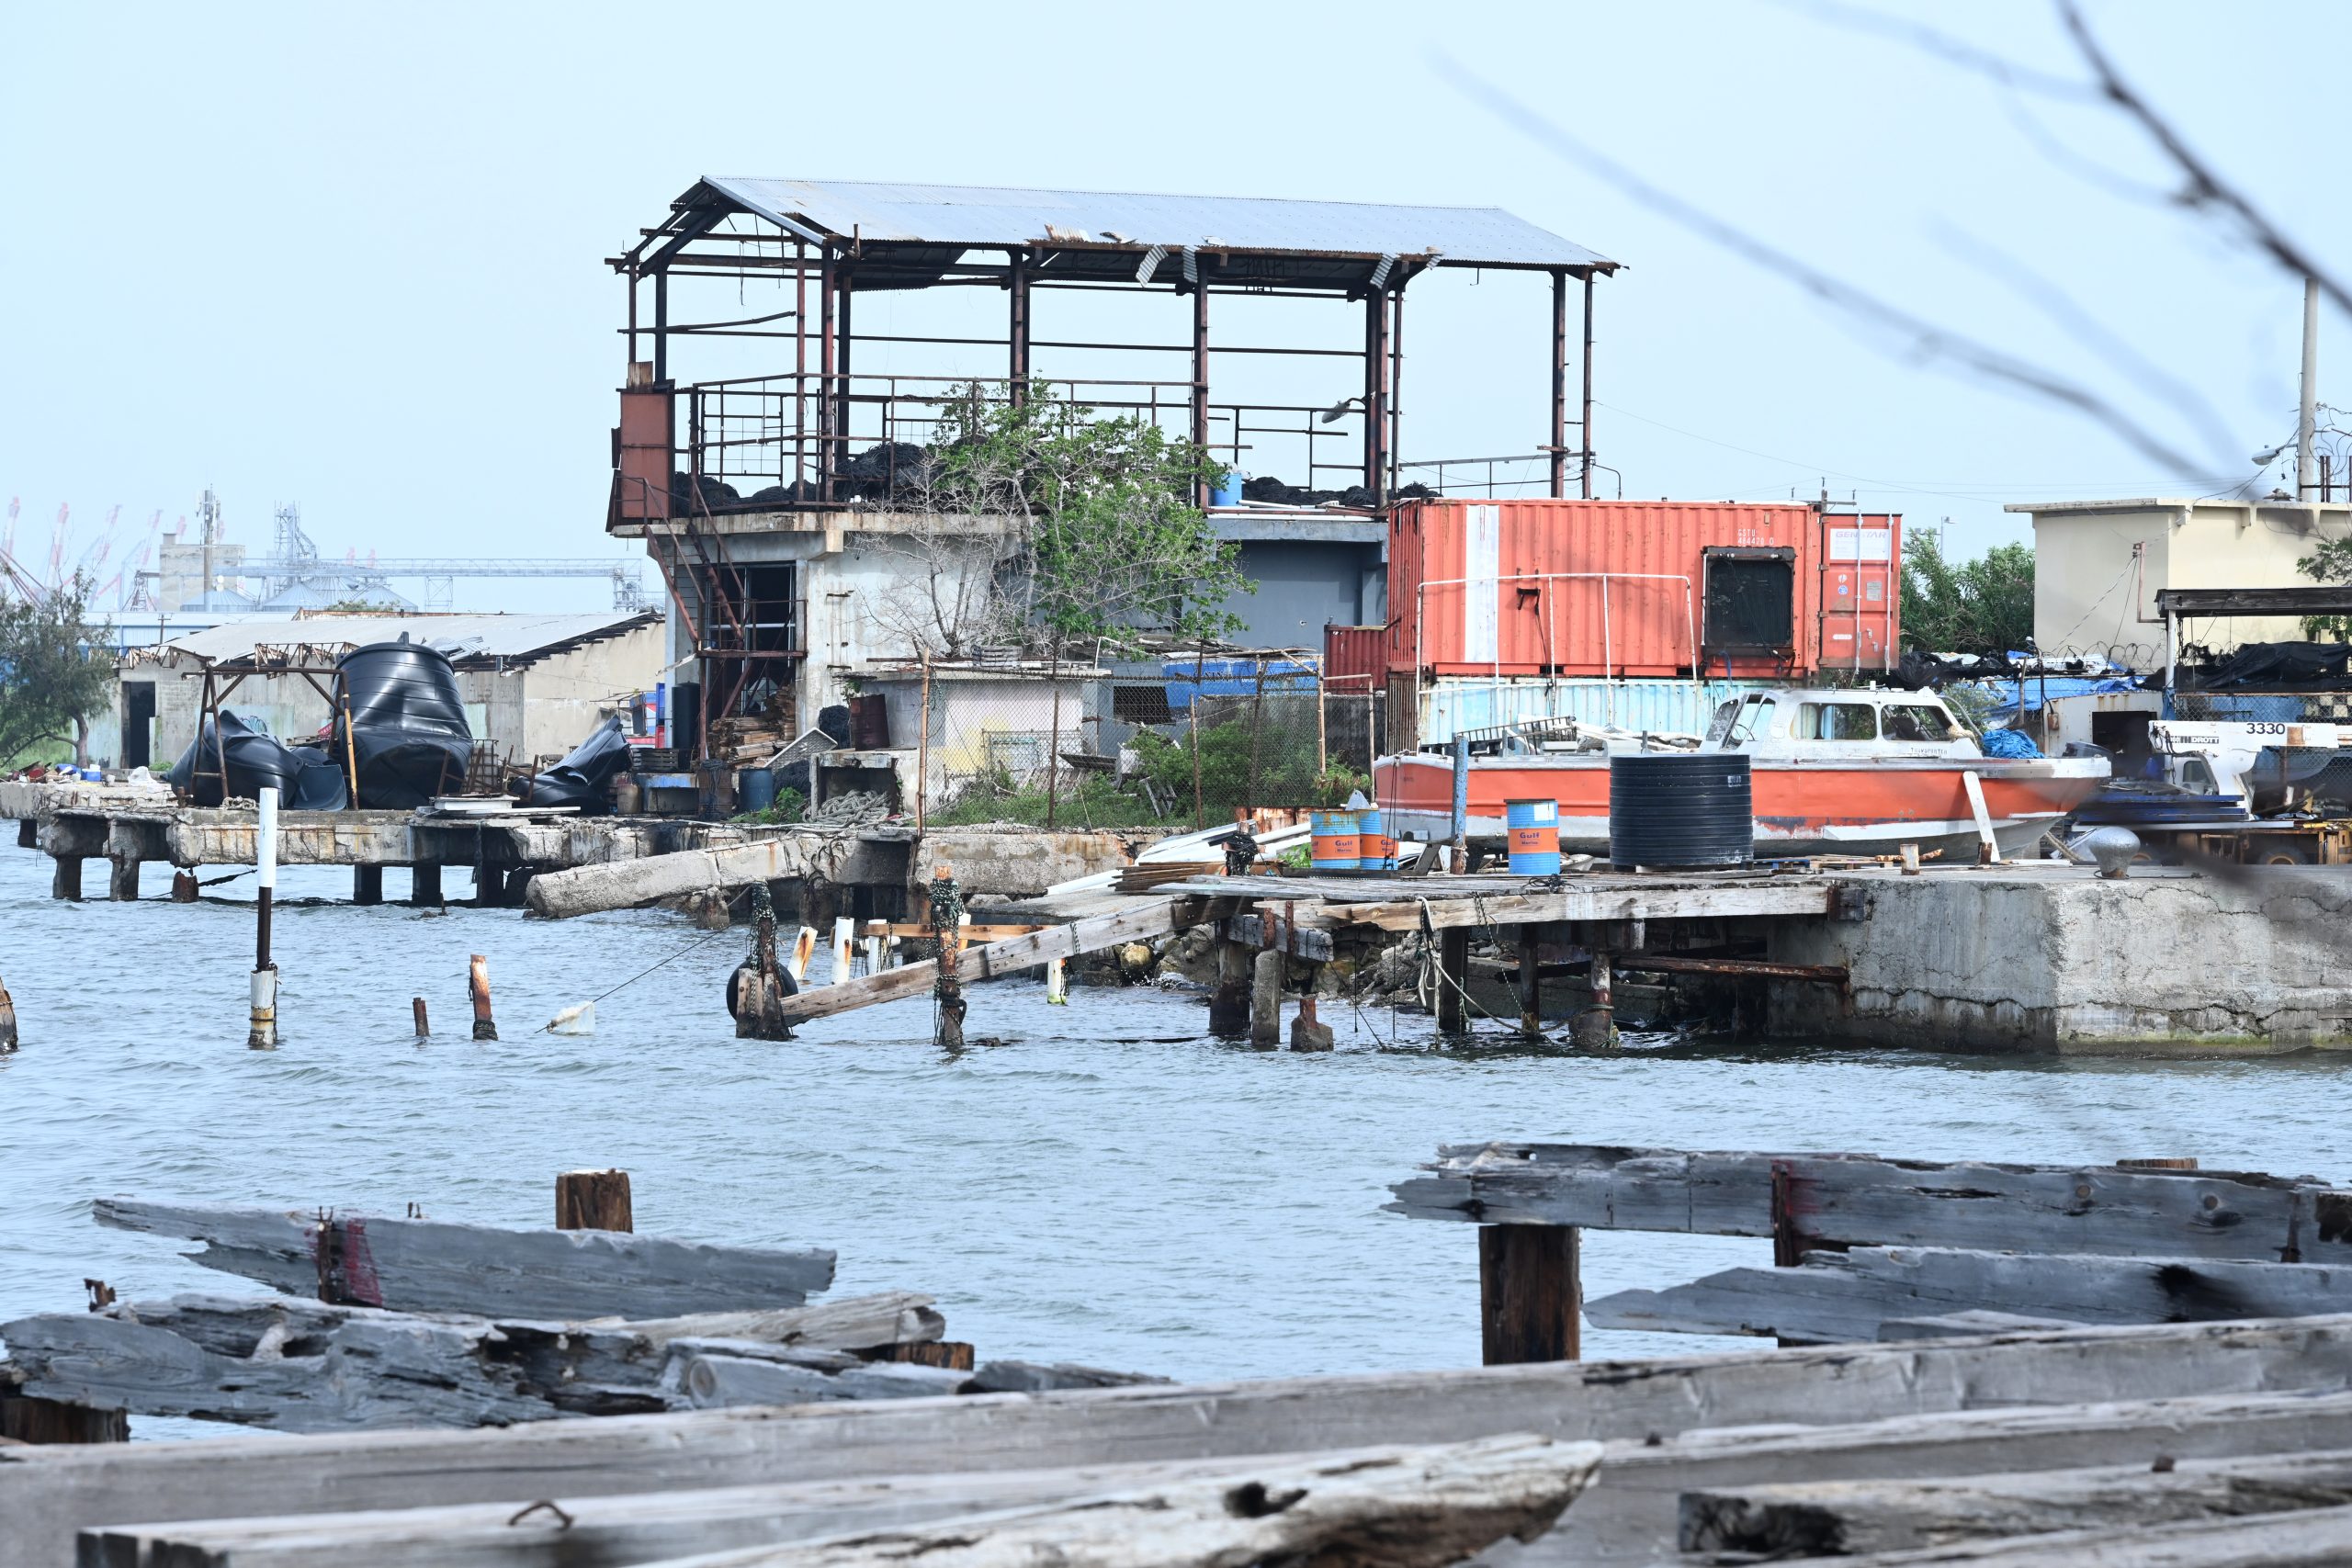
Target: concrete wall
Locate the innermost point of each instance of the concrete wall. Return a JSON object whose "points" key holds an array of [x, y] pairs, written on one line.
{"points": [[973, 712], [2089, 598], [1301, 585], [2060, 959]]}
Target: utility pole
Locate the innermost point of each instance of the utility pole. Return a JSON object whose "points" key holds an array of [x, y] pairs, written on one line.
{"points": [[2306, 467]]}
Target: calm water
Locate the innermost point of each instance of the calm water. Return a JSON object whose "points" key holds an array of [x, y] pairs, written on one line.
{"points": [[1106, 1186]]}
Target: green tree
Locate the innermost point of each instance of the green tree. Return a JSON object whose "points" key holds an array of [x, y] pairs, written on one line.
{"points": [[1098, 537], [1983, 605], [2330, 563], [54, 669]]}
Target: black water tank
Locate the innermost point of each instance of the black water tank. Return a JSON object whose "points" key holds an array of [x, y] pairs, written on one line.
{"points": [[1680, 809]]}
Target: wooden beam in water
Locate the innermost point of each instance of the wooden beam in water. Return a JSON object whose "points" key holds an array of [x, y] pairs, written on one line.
{"points": [[1154, 918], [48, 1494], [1836, 1297], [436, 1266], [1853, 1517], [2308, 1536], [1600, 902], [1861, 1201]]}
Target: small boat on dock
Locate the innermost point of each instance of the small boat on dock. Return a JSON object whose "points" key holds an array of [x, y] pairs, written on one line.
{"points": [[1833, 771]]}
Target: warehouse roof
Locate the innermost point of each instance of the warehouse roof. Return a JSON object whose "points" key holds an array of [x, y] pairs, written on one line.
{"points": [[1119, 227], [474, 640]]}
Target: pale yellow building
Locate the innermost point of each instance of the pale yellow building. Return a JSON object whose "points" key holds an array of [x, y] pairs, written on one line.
{"points": [[2098, 565]]}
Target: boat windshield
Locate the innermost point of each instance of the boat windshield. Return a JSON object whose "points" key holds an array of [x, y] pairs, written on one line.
{"points": [[1735, 724], [1917, 722]]}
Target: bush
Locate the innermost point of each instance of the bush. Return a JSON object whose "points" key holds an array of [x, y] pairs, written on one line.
{"points": [[790, 806]]}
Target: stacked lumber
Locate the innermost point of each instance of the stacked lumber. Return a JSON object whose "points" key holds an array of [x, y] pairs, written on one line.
{"points": [[387, 1323]]}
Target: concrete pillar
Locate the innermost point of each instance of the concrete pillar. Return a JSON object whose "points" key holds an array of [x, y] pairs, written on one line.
{"points": [[1266, 999], [1596, 1027], [490, 886], [1229, 1003], [66, 881], [366, 884], [1308, 1032], [425, 885], [122, 879], [27, 833]]}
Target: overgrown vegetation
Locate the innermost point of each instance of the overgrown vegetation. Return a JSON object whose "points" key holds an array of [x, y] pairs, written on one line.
{"points": [[2330, 563], [1982, 606], [1084, 800], [1095, 534], [55, 672], [790, 806], [1242, 765]]}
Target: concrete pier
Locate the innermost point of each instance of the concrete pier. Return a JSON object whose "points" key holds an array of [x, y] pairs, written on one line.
{"points": [[2054, 959]]}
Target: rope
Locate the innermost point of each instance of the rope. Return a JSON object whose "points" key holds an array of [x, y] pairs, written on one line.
{"points": [[648, 969]]}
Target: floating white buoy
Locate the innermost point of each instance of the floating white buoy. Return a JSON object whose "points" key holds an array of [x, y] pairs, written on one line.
{"points": [[580, 1020]]}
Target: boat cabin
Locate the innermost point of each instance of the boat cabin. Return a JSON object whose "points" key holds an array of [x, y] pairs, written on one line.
{"points": [[1839, 724]]}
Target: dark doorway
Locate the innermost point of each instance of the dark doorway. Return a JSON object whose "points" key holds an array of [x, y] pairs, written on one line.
{"points": [[1750, 601], [138, 723]]}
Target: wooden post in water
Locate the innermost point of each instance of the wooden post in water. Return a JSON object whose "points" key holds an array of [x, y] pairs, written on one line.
{"points": [[947, 928], [592, 1201], [184, 888], [8, 1022], [1452, 973], [1531, 983], [478, 988], [1596, 1027], [1266, 998], [24, 1418], [424, 1028], [1530, 1293], [262, 1033]]}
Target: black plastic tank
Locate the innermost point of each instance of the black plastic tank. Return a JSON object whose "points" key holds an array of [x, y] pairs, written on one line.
{"points": [[305, 779], [407, 725], [1680, 809]]}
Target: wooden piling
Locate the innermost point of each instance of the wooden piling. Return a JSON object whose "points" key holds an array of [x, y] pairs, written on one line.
{"points": [[1530, 1293], [366, 884], [1596, 1027], [947, 920], [425, 885], [122, 879], [478, 988], [594, 1200], [1229, 1003], [8, 1022], [1530, 985], [1266, 999], [26, 1419], [184, 888], [1452, 973]]}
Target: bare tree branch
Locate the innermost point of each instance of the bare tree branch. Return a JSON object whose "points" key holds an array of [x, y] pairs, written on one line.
{"points": [[1953, 50], [1923, 337], [2204, 187]]}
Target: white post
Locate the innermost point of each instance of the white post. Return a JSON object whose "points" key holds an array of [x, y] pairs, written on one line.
{"points": [[844, 943], [878, 946], [804, 948], [1056, 984], [261, 1032]]}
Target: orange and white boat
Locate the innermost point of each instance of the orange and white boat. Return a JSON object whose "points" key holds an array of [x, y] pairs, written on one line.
{"points": [[1832, 771]]}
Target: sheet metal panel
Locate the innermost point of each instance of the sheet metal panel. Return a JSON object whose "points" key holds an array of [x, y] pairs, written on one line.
{"points": [[1517, 587], [1355, 658], [1653, 707], [992, 216]]}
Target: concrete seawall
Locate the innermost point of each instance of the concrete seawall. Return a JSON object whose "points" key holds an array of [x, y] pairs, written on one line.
{"points": [[2162, 961]]}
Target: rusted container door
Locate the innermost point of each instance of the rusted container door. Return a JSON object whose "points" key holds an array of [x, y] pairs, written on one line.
{"points": [[1353, 656], [644, 460], [1861, 594]]}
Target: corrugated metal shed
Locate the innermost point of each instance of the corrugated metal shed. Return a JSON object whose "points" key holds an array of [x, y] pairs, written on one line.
{"points": [[466, 638], [990, 216]]}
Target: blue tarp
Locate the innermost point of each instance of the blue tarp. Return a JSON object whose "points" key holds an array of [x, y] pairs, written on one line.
{"points": [[1231, 678], [2009, 743]]}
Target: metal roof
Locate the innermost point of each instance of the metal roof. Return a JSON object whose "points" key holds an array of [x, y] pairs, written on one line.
{"points": [[992, 217], [465, 639]]}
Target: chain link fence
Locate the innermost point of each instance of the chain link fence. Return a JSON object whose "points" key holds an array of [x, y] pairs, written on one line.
{"points": [[1172, 743]]}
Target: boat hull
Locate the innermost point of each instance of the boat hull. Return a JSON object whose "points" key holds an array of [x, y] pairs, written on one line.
{"points": [[1802, 807]]}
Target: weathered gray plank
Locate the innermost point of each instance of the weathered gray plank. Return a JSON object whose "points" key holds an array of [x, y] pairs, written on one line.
{"points": [[1632, 1513], [1863, 1201], [1836, 1297], [1604, 901], [633, 1529], [299, 1366], [2317, 1538], [49, 1493], [1409, 1508], [1961, 1325], [437, 1266], [1852, 1518], [1037, 1377]]}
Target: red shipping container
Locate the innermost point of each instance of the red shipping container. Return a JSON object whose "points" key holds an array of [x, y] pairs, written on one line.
{"points": [[1587, 587], [1354, 658]]}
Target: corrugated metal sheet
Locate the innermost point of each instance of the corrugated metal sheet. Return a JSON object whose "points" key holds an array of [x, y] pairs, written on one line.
{"points": [[462, 637], [990, 216], [1355, 657], [1657, 707], [1596, 587]]}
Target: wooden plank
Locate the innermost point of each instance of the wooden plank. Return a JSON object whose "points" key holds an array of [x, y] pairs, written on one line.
{"points": [[1782, 896], [1862, 1199], [2314, 1537], [438, 1266], [1852, 1518], [1409, 1508], [47, 1493], [1632, 1512], [1153, 919], [664, 1523], [300, 1366], [1837, 1297]]}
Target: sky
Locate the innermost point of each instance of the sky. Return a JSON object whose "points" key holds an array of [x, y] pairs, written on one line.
{"points": [[352, 257]]}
